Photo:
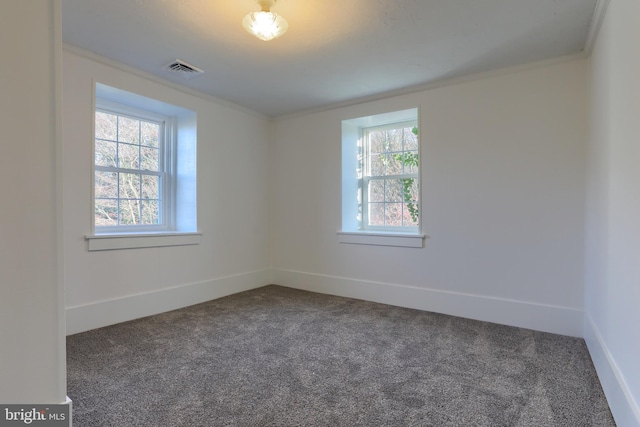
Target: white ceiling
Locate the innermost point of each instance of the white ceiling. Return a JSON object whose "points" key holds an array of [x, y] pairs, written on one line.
{"points": [[334, 50]]}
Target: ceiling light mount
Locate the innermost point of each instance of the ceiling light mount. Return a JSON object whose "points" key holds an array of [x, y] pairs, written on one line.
{"points": [[265, 24]]}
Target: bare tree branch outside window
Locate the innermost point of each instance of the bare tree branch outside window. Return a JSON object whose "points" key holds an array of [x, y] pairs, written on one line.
{"points": [[128, 173]]}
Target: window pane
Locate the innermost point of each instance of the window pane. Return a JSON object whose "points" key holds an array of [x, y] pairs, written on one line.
{"points": [[129, 211], [128, 130], [410, 214], [393, 214], [410, 139], [394, 138], [106, 212], [149, 159], [129, 186], [410, 160], [106, 185], [394, 164], [128, 156], [378, 164], [376, 190], [376, 142], [393, 191], [149, 133], [150, 212], [106, 126], [376, 213], [105, 153], [410, 188], [150, 187]]}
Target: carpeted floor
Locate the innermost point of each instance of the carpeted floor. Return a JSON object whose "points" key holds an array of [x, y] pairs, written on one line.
{"points": [[282, 357]]}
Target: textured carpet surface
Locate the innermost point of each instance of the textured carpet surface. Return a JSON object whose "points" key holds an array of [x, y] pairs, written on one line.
{"points": [[282, 357]]}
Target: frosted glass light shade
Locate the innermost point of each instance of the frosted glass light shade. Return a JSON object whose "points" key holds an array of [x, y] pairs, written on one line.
{"points": [[265, 25]]}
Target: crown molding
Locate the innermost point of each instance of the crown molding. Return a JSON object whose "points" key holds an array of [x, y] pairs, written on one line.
{"points": [[148, 76], [438, 83], [596, 23]]}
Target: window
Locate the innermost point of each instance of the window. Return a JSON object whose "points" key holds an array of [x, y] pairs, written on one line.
{"points": [[381, 180], [390, 177], [133, 170], [144, 172]]}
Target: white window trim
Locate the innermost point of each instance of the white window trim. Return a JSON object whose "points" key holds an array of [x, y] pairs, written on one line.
{"points": [[108, 242], [352, 231], [183, 168], [378, 238]]}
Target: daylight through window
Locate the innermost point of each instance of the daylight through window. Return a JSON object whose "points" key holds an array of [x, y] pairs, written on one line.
{"points": [[131, 173], [381, 180], [390, 177]]}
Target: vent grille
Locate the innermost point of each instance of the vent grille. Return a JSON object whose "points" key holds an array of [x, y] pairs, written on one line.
{"points": [[184, 69]]}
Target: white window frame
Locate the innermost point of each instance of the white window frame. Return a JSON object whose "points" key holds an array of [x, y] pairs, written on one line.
{"points": [[180, 141], [352, 231], [367, 177], [167, 161]]}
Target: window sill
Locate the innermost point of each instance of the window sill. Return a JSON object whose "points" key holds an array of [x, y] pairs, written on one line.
{"points": [[107, 242], [382, 239]]}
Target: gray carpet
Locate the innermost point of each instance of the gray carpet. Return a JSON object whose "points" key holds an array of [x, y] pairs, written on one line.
{"points": [[282, 357]]}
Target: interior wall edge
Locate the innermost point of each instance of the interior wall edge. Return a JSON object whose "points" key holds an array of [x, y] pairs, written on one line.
{"points": [[624, 408], [596, 24]]}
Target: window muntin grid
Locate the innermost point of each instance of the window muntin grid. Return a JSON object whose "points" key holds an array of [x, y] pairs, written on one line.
{"points": [[390, 177], [130, 171]]}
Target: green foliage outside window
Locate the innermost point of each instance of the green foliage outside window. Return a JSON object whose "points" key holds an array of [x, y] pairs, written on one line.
{"points": [[409, 160]]}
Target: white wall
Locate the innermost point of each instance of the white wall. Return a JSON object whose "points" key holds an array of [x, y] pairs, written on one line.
{"points": [[112, 286], [32, 344], [503, 202], [612, 290], [503, 193]]}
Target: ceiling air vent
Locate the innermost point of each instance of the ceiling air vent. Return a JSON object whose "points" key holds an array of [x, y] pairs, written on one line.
{"points": [[184, 69]]}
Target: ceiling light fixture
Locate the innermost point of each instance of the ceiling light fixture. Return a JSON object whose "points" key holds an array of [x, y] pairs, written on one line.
{"points": [[265, 24]]}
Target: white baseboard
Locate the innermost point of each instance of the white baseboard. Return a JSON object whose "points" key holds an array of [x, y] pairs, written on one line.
{"points": [[546, 318], [625, 409], [96, 315]]}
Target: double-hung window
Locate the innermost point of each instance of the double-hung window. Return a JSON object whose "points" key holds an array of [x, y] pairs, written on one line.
{"points": [[133, 170], [381, 180], [144, 172], [390, 177]]}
